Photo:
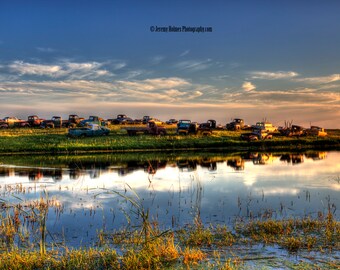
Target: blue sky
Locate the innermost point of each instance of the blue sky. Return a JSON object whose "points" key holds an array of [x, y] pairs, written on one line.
{"points": [[277, 60]]}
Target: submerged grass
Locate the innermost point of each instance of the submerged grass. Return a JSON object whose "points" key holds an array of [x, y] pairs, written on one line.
{"points": [[146, 246], [295, 234]]}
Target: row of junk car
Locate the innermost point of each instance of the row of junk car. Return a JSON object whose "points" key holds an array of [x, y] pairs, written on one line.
{"points": [[97, 126]]}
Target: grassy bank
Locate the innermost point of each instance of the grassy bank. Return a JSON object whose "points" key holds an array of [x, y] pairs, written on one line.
{"points": [[55, 141]]}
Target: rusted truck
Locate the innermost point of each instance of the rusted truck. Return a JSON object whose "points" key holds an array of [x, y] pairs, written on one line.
{"points": [[34, 121], [237, 124], [316, 131], [54, 122], [121, 119], [10, 121], [57, 122], [93, 120], [186, 127], [150, 128], [267, 126]]}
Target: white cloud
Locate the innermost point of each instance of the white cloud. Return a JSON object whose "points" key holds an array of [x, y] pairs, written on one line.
{"points": [[70, 70], [265, 75], [154, 84], [34, 69], [195, 94], [46, 50], [119, 65], [174, 93], [184, 53], [248, 86], [157, 59], [133, 74], [193, 65], [82, 66], [320, 80], [289, 97]]}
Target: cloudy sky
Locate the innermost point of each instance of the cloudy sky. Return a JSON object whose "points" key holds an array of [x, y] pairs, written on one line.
{"points": [[277, 60]]}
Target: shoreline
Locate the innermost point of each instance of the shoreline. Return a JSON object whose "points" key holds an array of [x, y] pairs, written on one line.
{"points": [[55, 141]]}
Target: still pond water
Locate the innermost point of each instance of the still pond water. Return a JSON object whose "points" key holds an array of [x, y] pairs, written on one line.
{"points": [[219, 188]]}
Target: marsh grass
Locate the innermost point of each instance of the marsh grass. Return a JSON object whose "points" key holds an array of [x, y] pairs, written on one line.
{"points": [[295, 234], [70, 259], [23, 225], [148, 247]]}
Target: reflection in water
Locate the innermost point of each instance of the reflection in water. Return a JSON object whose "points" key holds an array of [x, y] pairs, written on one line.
{"points": [[175, 189], [237, 164], [94, 169], [292, 158]]}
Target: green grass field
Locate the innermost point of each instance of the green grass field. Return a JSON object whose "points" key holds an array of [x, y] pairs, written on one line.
{"points": [[55, 141]]}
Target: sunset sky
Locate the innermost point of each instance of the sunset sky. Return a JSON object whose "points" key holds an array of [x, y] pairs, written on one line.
{"points": [[278, 60]]}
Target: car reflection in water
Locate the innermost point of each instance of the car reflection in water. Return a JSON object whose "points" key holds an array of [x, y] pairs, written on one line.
{"points": [[316, 155], [237, 164], [187, 165], [209, 164], [292, 158], [263, 158], [94, 169]]}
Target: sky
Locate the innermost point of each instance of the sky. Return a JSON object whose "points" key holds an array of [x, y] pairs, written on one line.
{"points": [[198, 60]]}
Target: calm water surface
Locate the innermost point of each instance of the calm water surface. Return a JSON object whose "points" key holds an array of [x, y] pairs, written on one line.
{"points": [[175, 190]]}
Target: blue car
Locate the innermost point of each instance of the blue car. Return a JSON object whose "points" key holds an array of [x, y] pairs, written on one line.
{"points": [[89, 131]]}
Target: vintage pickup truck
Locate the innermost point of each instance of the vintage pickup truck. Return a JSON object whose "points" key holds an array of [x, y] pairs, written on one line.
{"points": [[89, 131], [265, 126], [9, 122], [57, 122], [236, 124], [316, 131], [257, 134], [34, 121], [93, 120], [151, 128], [121, 119], [186, 127]]}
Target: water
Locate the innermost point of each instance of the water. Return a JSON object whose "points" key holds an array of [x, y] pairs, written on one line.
{"points": [[91, 192]]}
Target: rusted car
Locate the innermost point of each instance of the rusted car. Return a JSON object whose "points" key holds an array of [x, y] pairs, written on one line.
{"points": [[89, 131], [256, 134], [151, 128], [171, 121], [293, 130]]}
